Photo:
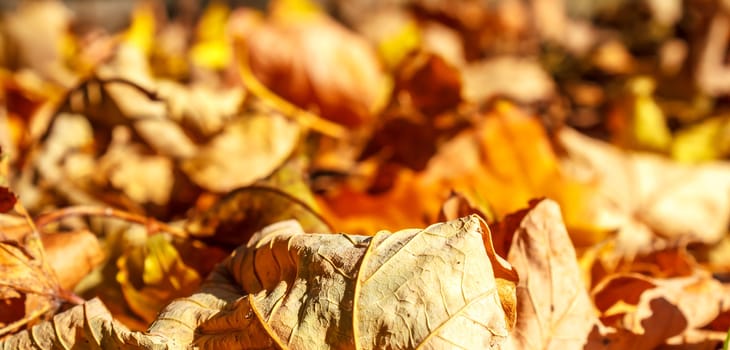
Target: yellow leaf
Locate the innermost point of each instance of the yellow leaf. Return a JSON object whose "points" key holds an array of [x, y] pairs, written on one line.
{"points": [[141, 31], [154, 274], [649, 124], [294, 10], [708, 140], [650, 128], [397, 46], [212, 49]]}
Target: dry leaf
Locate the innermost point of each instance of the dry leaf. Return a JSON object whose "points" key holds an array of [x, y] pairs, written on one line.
{"points": [[313, 61], [72, 255], [429, 83], [521, 79], [348, 281], [37, 32], [648, 312], [554, 311], [29, 289], [250, 148], [433, 288], [154, 274], [234, 218], [85, 326], [650, 194]]}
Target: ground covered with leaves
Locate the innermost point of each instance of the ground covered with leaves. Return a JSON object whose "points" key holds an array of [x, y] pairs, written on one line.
{"points": [[365, 175]]}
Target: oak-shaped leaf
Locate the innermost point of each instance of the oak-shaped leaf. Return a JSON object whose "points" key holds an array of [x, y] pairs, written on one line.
{"points": [[648, 312]]}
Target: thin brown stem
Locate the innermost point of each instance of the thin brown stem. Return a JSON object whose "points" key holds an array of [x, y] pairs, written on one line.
{"points": [[152, 225]]}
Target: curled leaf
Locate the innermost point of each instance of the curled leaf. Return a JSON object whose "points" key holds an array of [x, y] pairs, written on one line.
{"points": [[432, 288], [249, 149]]}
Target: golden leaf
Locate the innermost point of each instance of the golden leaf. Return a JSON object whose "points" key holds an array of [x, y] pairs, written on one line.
{"points": [[154, 274]]}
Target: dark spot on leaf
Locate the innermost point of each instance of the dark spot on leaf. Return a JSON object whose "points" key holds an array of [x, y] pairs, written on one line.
{"points": [[7, 200]]}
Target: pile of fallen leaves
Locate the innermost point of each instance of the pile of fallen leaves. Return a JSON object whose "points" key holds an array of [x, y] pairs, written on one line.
{"points": [[365, 175]]}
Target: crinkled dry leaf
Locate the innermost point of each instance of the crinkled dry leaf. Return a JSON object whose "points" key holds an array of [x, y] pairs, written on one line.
{"points": [[649, 312], [431, 288], [554, 311], [29, 289], [238, 215], [85, 326]]}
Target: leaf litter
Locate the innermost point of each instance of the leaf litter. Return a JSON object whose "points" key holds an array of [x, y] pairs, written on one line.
{"points": [[364, 175]]}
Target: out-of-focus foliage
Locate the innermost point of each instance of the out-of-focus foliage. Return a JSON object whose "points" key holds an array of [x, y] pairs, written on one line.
{"points": [[189, 169]]}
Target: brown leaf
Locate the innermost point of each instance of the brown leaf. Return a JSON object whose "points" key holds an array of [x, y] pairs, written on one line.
{"points": [[7, 200], [323, 63], [432, 85], [237, 216], [554, 310], [649, 312], [29, 289], [72, 255]]}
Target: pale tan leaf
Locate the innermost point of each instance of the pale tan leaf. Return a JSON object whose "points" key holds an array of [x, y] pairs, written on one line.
{"points": [[249, 148], [554, 310], [440, 287], [522, 79], [432, 288], [650, 194], [87, 326]]}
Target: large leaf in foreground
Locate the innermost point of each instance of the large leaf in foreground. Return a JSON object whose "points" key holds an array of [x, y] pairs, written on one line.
{"points": [[554, 311], [433, 288]]}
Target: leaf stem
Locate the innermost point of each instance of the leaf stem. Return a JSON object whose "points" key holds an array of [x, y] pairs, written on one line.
{"points": [[153, 226], [272, 100]]}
